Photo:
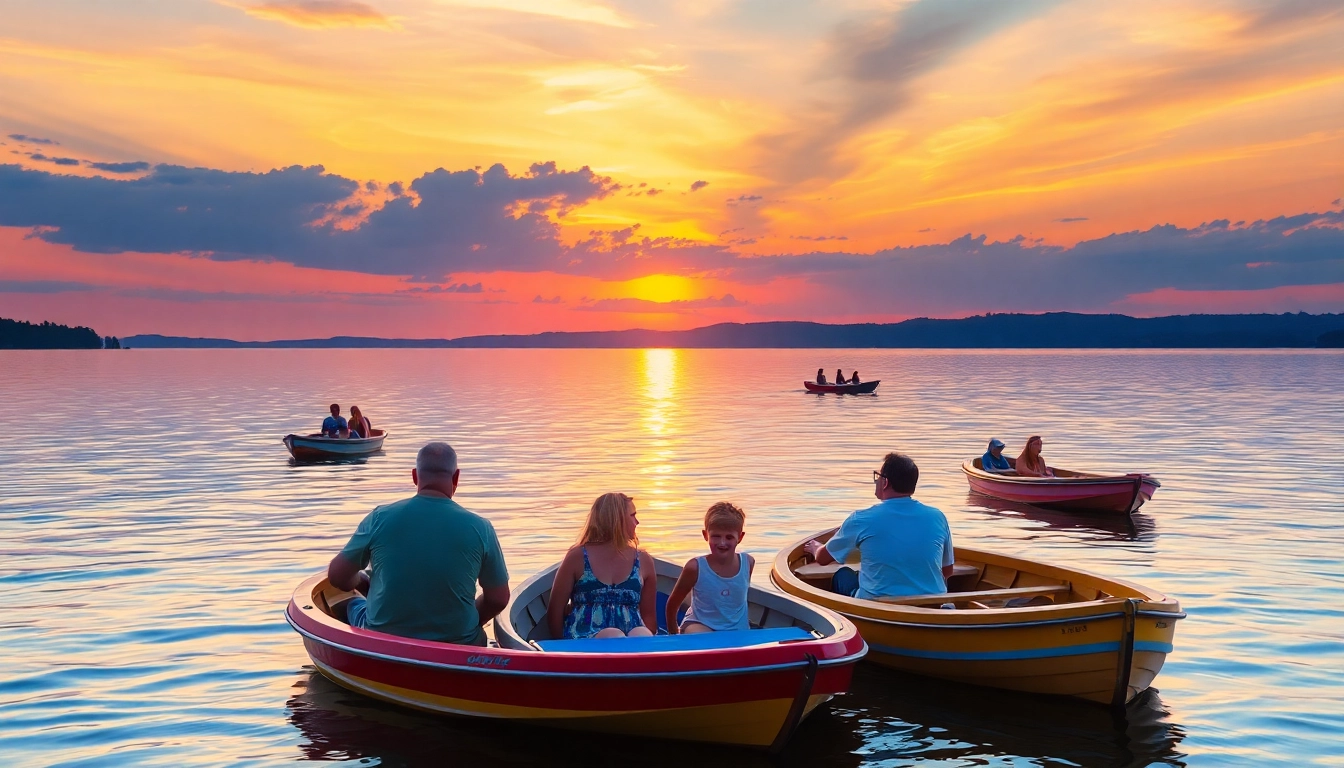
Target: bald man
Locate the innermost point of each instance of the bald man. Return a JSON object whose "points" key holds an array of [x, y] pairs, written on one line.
{"points": [[427, 554]]}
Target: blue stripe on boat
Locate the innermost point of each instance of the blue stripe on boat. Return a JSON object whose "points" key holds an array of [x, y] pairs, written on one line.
{"points": [[702, 641], [1025, 653]]}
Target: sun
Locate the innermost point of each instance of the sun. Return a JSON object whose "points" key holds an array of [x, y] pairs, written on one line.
{"points": [[660, 288]]}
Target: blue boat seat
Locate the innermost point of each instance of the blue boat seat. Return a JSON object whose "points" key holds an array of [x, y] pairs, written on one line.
{"points": [[702, 641]]}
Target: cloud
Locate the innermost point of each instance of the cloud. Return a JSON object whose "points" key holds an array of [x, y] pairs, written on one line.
{"points": [[56, 160], [654, 192], [317, 14], [43, 286], [453, 288], [1071, 219], [131, 167], [553, 300], [33, 139], [972, 274], [818, 238], [696, 186], [872, 65], [646, 307], [742, 199], [446, 222]]}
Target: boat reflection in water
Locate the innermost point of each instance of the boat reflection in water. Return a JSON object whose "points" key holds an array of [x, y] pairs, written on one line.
{"points": [[887, 716], [1136, 526]]}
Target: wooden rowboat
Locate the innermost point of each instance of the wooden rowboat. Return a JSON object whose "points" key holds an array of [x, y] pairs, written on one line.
{"points": [[1078, 491], [748, 688], [1080, 634], [319, 448], [842, 389]]}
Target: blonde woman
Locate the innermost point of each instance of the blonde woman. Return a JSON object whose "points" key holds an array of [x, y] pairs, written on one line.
{"points": [[360, 426], [606, 586], [1030, 463]]}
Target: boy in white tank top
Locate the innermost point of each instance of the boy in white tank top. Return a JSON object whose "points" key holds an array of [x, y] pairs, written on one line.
{"points": [[717, 583]]}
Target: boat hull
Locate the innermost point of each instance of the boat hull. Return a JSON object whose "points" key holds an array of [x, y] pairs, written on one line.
{"points": [[318, 448], [1078, 492], [842, 389], [1105, 650], [740, 696]]}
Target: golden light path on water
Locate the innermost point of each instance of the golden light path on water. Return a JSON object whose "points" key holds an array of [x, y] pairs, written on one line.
{"points": [[153, 528]]}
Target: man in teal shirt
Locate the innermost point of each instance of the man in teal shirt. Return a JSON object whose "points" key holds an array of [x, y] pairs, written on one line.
{"points": [[426, 554]]}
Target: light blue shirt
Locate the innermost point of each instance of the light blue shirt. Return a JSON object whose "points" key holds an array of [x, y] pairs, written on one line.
{"points": [[903, 545]]}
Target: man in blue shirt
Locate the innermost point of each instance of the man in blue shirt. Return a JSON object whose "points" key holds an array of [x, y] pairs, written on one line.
{"points": [[425, 555], [334, 425], [994, 460], [905, 547]]}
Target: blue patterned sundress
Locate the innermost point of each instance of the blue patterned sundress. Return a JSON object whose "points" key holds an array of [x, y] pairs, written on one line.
{"points": [[596, 605]]}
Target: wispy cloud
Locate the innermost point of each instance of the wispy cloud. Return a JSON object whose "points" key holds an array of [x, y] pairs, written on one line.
{"points": [[316, 14]]}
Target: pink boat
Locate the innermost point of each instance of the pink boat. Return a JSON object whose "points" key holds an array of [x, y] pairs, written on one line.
{"points": [[1075, 491]]}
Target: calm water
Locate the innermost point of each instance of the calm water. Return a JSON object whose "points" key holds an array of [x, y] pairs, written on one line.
{"points": [[153, 527]]}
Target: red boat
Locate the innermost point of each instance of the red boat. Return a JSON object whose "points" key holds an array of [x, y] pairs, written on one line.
{"points": [[842, 389], [1068, 490], [751, 687]]}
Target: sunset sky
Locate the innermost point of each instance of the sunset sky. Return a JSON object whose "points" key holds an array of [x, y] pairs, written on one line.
{"points": [[436, 168]]}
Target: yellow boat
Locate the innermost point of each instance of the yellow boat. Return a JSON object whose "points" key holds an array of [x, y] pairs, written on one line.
{"points": [[1067, 632]]}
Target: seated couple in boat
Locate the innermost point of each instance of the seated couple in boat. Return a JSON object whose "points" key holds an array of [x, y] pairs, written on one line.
{"points": [[904, 547], [357, 427], [607, 586], [839, 377], [1029, 463]]}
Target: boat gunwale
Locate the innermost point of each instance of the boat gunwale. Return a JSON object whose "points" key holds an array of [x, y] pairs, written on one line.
{"points": [[1086, 478], [988, 618]]}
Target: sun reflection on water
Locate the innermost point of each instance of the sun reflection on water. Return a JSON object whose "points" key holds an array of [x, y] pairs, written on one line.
{"points": [[658, 455]]}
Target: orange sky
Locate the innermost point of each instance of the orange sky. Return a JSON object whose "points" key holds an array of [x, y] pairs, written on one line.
{"points": [[723, 130]]}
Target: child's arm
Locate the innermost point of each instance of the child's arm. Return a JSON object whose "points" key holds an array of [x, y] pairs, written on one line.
{"points": [[751, 567], [685, 583]]}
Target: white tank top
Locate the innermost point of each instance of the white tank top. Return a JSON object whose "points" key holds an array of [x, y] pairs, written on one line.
{"points": [[719, 603]]}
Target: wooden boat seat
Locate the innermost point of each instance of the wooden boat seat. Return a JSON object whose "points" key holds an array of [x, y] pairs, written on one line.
{"points": [[702, 641], [982, 594]]}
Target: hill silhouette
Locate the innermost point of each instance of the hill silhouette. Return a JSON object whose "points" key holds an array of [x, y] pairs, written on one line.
{"points": [[1055, 330]]}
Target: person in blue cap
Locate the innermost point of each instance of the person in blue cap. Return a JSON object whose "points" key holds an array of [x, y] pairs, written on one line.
{"points": [[994, 460]]}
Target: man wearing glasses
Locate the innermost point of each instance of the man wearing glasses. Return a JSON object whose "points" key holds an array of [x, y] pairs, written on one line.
{"points": [[905, 547]]}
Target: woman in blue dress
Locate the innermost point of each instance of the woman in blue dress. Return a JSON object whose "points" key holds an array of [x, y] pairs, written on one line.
{"points": [[606, 586]]}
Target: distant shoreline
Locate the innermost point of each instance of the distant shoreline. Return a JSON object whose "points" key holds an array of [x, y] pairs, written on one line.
{"points": [[1056, 330]]}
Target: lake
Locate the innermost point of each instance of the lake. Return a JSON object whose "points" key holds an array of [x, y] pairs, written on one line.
{"points": [[154, 526]]}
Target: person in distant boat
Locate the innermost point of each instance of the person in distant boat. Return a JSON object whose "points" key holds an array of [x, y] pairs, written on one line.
{"points": [[840, 377], [360, 426], [855, 378], [821, 377], [905, 547], [606, 586], [335, 424], [1030, 463], [717, 583], [994, 460], [425, 556]]}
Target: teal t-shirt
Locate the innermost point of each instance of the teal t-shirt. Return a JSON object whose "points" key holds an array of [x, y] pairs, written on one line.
{"points": [[428, 553], [902, 544]]}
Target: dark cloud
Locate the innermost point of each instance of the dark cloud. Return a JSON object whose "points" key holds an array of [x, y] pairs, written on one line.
{"points": [[453, 288], [646, 307], [33, 139], [43, 286], [742, 199], [56, 160], [131, 167], [818, 238], [1071, 219], [971, 274], [553, 300], [447, 222], [926, 229], [696, 186], [654, 192]]}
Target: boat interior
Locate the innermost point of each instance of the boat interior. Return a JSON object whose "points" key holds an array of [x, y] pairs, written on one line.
{"points": [[1012, 462], [372, 434], [774, 618], [974, 585]]}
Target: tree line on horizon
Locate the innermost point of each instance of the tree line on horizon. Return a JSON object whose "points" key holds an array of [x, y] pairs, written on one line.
{"points": [[20, 334]]}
